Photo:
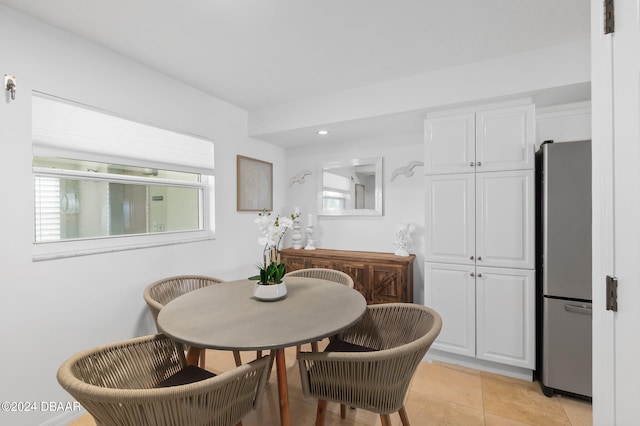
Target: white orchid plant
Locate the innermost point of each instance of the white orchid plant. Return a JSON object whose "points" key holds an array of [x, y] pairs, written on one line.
{"points": [[272, 230]]}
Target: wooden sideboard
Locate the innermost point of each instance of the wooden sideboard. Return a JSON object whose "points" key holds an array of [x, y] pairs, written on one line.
{"points": [[380, 277]]}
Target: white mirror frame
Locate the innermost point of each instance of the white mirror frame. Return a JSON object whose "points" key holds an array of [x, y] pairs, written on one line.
{"points": [[376, 211]]}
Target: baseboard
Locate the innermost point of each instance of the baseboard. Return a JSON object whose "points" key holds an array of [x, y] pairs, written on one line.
{"points": [[479, 364]]}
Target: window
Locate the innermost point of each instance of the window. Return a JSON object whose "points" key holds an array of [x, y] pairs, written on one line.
{"points": [[102, 183]]}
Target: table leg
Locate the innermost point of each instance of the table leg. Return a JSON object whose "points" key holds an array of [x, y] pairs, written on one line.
{"points": [[283, 389], [193, 355]]}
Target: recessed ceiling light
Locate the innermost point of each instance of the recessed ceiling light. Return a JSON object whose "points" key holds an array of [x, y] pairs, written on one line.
{"points": [[323, 132]]}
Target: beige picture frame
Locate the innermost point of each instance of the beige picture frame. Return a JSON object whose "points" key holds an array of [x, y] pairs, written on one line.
{"points": [[254, 184]]}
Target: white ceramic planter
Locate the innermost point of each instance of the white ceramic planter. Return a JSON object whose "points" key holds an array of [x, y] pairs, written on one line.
{"points": [[270, 292]]}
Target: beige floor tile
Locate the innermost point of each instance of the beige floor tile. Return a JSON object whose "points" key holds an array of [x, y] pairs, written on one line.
{"points": [[425, 411], [579, 411], [520, 400], [493, 420], [84, 421], [440, 382]]}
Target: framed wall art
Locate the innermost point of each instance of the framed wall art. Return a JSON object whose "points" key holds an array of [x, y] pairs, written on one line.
{"points": [[255, 184]]}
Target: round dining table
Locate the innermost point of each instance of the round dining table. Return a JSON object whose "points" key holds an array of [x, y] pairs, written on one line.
{"points": [[226, 316]]}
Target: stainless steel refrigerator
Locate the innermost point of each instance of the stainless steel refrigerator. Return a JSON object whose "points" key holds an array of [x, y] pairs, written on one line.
{"points": [[565, 260]]}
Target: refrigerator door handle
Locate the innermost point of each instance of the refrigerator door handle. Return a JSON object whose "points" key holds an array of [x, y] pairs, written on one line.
{"points": [[578, 309]]}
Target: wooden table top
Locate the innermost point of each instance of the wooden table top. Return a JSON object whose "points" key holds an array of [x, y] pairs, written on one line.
{"points": [[226, 316]]}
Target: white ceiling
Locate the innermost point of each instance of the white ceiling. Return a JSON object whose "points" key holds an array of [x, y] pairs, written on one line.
{"points": [[264, 52]]}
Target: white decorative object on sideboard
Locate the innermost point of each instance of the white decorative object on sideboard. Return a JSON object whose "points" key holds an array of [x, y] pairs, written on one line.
{"points": [[403, 237], [309, 233], [296, 234]]}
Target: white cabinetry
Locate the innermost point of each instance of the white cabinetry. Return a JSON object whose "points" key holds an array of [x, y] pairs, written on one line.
{"points": [[479, 245], [481, 219], [450, 218], [505, 219], [505, 316], [451, 291], [485, 141], [488, 313]]}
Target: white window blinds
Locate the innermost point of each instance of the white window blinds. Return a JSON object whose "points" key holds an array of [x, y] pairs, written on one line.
{"points": [[47, 209], [62, 129]]}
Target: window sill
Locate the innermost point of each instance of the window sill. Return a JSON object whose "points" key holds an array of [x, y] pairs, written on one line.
{"points": [[89, 246]]}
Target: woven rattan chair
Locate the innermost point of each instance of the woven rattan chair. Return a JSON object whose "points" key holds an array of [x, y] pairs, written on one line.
{"points": [[163, 291], [145, 381], [371, 365], [322, 274]]}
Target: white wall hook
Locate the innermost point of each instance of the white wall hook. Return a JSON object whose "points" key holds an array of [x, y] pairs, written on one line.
{"points": [[10, 85]]}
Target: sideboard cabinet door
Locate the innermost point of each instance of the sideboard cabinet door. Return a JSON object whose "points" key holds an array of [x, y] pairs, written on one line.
{"points": [[380, 277], [387, 284]]}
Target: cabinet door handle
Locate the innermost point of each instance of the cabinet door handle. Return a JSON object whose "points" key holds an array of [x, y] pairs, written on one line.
{"points": [[479, 163], [472, 164], [479, 257], [472, 274], [480, 275], [471, 257]]}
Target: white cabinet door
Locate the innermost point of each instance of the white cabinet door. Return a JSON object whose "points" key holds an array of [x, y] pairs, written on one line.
{"points": [[505, 139], [505, 219], [486, 219], [450, 218], [450, 290], [505, 305], [450, 144], [485, 141]]}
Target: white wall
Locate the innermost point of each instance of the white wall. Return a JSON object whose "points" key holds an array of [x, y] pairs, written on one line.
{"points": [[563, 123], [52, 309], [558, 66], [403, 200]]}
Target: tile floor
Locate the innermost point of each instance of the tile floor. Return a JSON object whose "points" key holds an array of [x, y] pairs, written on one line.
{"points": [[440, 394]]}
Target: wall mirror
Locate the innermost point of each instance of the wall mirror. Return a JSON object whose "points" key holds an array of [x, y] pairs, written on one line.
{"points": [[351, 188]]}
